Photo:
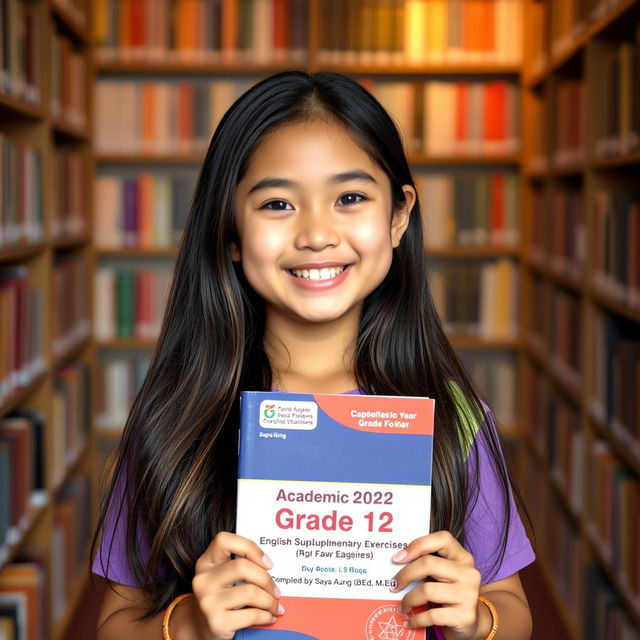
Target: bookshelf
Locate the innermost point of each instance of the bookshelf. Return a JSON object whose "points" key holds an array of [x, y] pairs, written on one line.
{"points": [[581, 210], [45, 351]]}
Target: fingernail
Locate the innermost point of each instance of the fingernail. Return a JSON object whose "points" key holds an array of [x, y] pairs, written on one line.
{"points": [[280, 609], [267, 561], [276, 592], [400, 556], [394, 588]]}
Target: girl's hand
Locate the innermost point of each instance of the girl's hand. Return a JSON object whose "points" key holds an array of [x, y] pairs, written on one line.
{"points": [[225, 605], [455, 590]]}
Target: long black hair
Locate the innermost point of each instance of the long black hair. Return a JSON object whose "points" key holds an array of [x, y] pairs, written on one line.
{"points": [[175, 474]]}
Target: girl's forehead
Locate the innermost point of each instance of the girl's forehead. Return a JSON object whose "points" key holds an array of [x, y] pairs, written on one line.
{"points": [[308, 145]]}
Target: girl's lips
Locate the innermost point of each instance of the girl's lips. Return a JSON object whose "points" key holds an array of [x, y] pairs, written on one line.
{"points": [[319, 285]]}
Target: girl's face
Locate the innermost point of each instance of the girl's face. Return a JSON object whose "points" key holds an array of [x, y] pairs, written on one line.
{"points": [[313, 214]]}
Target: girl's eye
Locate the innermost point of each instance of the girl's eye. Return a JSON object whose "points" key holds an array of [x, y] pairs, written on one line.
{"points": [[352, 198], [279, 207]]}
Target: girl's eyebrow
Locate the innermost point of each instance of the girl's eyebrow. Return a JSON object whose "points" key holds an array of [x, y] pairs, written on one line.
{"points": [[346, 176]]}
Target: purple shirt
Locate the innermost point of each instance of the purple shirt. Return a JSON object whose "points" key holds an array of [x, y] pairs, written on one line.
{"points": [[483, 527]]}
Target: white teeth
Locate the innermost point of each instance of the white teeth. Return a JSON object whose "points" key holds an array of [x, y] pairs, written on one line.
{"points": [[318, 274]]}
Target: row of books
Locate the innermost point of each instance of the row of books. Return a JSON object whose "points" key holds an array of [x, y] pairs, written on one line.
{"points": [[558, 231], [470, 208], [143, 210], [202, 31], [476, 298], [24, 600], [161, 117], [613, 501], [69, 303], [553, 427], [616, 347], [459, 118], [130, 301], [71, 418], [21, 331], [413, 32], [68, 82], [565, 335], [22, 471], [617, 248], [494, 375], [119, 379], [20, 43], [618, 128], [570, 129], [69, 210], [21, 200], [606, 617]]}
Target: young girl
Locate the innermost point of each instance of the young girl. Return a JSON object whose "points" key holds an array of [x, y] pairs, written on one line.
{"points": [[302, 268]]}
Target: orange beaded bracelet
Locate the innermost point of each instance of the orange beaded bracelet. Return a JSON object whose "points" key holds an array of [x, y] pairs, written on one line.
{"points": [[167, 614], [494, 616]]}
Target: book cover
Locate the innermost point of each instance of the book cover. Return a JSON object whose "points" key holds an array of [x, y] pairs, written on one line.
{"points": [[330, 487]]}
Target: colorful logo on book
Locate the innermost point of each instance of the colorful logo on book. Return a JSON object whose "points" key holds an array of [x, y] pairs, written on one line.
{"points": [[269, 410], [387, 623]]}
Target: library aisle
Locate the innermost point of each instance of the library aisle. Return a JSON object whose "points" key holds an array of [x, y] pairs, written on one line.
{"points": [[521, 120]]}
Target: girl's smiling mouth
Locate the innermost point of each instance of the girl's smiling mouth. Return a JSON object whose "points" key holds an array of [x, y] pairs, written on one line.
{"points": [[318, 276]]}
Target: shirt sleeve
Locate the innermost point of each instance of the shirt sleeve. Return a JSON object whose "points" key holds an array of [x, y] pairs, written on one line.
{"points": [[110, 560], [485, 521]]}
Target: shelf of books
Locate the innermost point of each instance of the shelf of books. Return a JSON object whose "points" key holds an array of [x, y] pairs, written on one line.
{"points": [[581, 222], [173, 80], [45, 361]]}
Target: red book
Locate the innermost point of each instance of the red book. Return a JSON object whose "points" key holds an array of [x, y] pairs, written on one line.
{"points": [[461, 119], [497, 208], [495, 116], [137, 24], [280, 30]]}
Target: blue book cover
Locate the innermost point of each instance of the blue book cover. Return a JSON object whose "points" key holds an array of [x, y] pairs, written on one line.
{"points": [[330, 486]]}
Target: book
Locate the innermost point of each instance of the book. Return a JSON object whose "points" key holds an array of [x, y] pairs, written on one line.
{"points": [[330, 486]]}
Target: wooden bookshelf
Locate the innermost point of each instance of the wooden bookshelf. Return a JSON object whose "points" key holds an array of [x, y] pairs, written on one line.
{"points": [[603, 317], [50, 132]]}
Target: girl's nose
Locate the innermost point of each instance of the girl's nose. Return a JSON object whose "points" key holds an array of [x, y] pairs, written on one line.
{"points": [[316, 231]]}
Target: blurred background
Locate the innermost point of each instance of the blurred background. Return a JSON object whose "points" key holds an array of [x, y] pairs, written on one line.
{"points": [[521, 119]]}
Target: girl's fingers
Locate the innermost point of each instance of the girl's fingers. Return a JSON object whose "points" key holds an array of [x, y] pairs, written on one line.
{"points": [[231, 572], [442, 593], [224, 545], [440, 542], [438, 568], [452, 617], [249, 595]]}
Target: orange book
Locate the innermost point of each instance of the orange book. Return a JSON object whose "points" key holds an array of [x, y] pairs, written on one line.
{"points": [[148, 100], [184, 117], [187, 28], [145, 210], [487, 25], [229, 30]]}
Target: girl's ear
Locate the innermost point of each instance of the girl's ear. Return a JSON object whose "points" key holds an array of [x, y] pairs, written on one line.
{"points": [[401, 216], [236, 256]]}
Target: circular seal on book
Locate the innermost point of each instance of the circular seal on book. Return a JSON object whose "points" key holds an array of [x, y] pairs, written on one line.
{"points": [[387, 623]]}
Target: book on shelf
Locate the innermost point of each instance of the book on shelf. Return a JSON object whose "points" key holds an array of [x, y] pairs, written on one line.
{"points": [[476, 298], [565, 337], [146, 210], [20, 43], [569, 19], [330, 487], [617, 251], [470, 208], [567, 233], [210, 31], [618, 112], [570, 129], [21, 199]]}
